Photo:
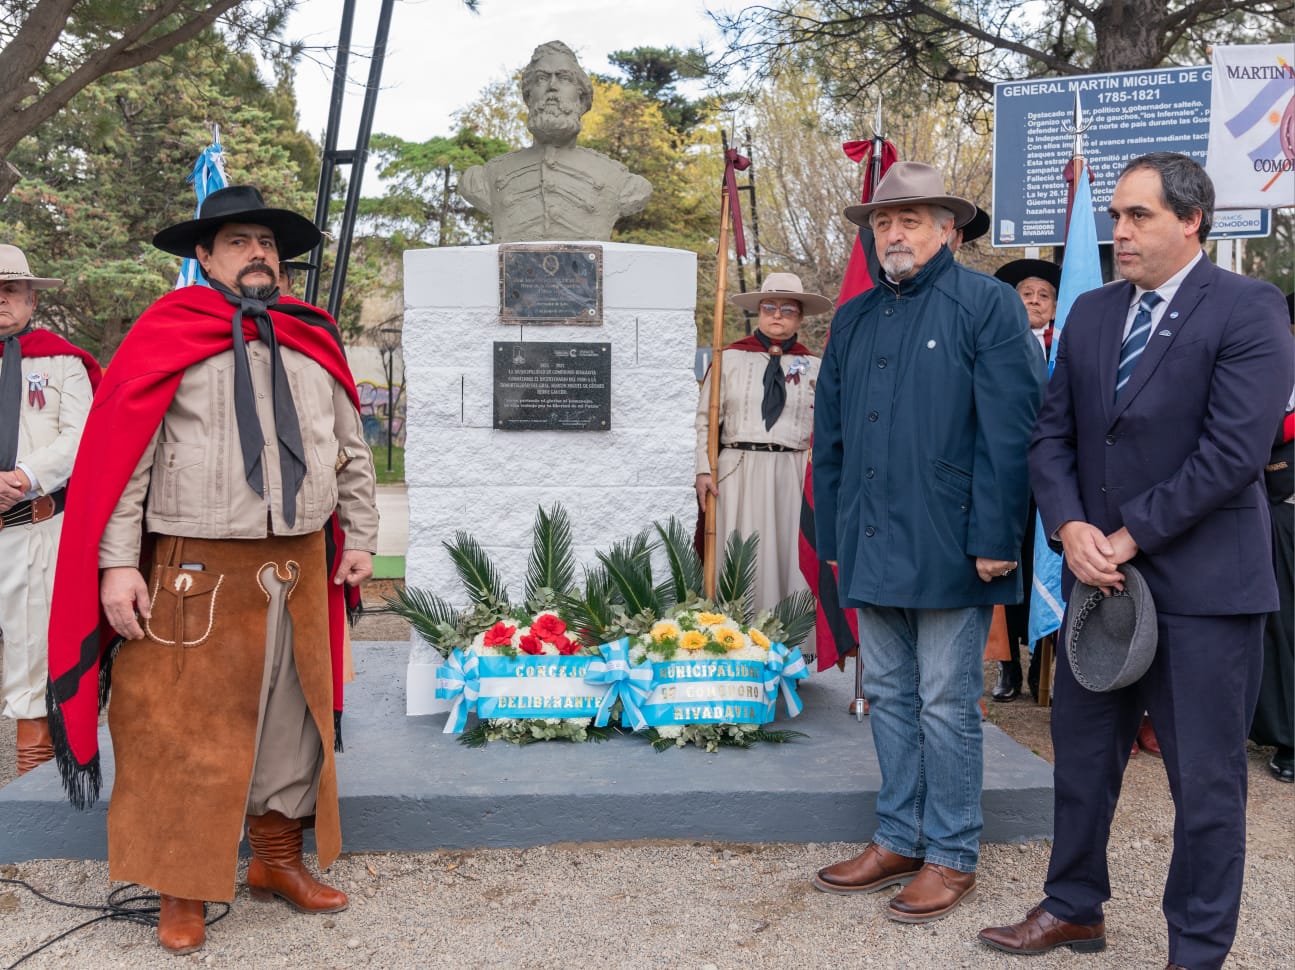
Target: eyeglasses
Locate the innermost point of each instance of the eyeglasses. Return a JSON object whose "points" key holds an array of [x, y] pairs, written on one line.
{"points": [[781, 309]]}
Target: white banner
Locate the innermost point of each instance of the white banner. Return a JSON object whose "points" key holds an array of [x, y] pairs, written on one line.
{"points": [[1252, 126]]}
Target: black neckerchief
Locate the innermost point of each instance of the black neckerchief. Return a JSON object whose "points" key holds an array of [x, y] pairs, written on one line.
{"points": [[10, 399], [775, 385], [287, 429]]}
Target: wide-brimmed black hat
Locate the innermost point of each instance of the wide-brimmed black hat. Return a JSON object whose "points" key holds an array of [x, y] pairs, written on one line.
{"points": [[240, 203], [975, 227], [1111, 640], [296, 265], [1022, 269]]}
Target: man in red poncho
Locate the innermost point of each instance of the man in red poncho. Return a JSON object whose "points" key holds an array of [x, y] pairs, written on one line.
{"points": [[45, 390], [227, 430]]}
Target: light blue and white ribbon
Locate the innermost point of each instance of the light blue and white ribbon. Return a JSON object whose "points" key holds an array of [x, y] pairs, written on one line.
{"points": [[707, 690], [540, 686], [783, 668], [627, 683], [457, 681]]}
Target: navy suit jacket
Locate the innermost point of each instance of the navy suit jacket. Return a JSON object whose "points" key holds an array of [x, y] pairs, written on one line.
{"points": [[1179, 460]]}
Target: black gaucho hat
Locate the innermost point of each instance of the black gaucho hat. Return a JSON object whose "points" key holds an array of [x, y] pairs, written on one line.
{"points": [[240, 203], [1017, 270], [975, 227]]}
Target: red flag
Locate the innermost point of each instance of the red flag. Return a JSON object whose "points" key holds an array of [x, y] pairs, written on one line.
{"points": [[838, 628]]}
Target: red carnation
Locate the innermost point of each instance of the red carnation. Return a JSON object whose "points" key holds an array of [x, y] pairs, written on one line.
{"points": [[531, 644], [498, 635], [565, 646], [548, 628]]}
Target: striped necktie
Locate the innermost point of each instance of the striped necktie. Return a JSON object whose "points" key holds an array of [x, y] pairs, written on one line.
{"points": [[1136, 341]]}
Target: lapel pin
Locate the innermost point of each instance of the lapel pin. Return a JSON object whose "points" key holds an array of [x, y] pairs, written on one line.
{"points": [[1174, 315], [1166, 333]]}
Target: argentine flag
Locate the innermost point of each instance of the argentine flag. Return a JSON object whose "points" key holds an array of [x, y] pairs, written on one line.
{"points": [[1080, 272], [208, 176]]}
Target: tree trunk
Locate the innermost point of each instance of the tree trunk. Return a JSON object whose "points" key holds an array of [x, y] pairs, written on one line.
{"points": [[1129, 35], [9, 177]]}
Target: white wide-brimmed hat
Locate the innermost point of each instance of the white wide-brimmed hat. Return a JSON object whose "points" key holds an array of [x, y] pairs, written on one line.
{"points": [[13, 266], [788, 286], [912, 183]]}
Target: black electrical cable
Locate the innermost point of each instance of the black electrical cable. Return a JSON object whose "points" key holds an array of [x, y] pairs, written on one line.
{"points": [[140, 908]]}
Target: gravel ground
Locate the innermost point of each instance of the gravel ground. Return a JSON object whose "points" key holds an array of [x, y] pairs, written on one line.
{"points": [[696, 905]]}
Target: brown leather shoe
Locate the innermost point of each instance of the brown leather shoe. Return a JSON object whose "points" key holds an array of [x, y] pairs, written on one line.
{"points": [[1147, 738], [276, 869], [1040, 932], [935, 893], [180, 926], [872, 869], [34, 744]]}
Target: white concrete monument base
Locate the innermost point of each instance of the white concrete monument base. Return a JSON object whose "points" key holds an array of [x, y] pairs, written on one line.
{"points": [[462, 474]]}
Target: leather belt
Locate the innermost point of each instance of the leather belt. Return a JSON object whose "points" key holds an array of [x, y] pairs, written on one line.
{"points": [[38, 509], [758, 446]]}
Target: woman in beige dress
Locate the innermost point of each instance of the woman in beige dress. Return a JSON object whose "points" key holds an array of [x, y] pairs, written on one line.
{"points": [[766, 417]]}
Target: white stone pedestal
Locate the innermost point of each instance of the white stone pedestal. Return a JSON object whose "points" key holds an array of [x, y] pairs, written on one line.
{"points": [[464, 474]]}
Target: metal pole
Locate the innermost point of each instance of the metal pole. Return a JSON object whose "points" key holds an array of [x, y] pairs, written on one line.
{"points": [[361, 155], [391, 404], [328, 163], [755, 214]]}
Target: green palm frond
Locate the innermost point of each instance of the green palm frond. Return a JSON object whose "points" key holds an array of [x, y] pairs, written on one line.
{"points": [[552, 565], [429, 616], [591, 612], [796, 615], [478, 573], [735, 587], [685, 566], [629, 567]]}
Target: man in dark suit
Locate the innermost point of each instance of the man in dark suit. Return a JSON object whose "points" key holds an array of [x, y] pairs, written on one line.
{"points": [[1149, 450]]}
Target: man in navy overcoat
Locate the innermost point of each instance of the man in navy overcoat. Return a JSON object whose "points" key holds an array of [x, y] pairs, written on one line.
{"points": [[1149, 449]]}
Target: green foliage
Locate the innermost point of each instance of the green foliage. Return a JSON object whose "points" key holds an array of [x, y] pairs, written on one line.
{"points": [[480, 578], [686, 580], [552, 567], [592, 612], [655, 72], [629, 567], [104, 175], [734, 587], [432, 618], [421, 205], [795, 618], [530, 730]]}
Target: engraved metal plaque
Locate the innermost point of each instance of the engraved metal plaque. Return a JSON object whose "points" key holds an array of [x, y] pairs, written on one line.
{"points": [[550, 386], [550, 283]]}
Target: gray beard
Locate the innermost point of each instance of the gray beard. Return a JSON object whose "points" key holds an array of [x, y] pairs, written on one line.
{"points": [[898, 266], [553, 126]]}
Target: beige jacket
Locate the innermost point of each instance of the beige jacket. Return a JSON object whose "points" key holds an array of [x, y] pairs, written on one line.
{"points": [[190, 479], [741, 393], [48, 436]]}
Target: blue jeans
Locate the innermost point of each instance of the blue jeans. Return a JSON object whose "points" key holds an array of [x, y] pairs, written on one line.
{"points": [[923, 678]]}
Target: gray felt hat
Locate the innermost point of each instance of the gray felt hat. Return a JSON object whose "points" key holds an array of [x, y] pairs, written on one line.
{"points": [[1111, 640]]}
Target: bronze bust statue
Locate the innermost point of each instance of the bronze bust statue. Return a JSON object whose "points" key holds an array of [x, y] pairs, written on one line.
{"points": [[554, 189]]}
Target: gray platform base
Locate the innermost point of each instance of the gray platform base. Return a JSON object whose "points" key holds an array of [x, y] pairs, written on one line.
{"points": [[407, 786]]}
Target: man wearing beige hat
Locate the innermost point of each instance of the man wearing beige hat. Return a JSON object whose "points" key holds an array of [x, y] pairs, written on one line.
{"points": [[45, 391], [766, 415], [926, 396]]}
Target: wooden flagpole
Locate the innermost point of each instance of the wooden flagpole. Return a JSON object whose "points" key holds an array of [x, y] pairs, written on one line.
{"points": [[712, 415]]}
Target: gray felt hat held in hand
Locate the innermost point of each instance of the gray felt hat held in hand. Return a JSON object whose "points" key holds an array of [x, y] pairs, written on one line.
{"points": [[1111, 640]]}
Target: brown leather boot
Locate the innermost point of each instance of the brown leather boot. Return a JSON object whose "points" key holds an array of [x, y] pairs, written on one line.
{"points": [[180, 925], [34, 744], [935, 893], [276, 869]]}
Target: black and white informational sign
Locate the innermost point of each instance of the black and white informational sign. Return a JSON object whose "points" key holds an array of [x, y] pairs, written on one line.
{"points": [[1132, 113]]}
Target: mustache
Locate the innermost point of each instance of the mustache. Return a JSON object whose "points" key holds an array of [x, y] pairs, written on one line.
{"points": [[896, 248], [257, 267]]}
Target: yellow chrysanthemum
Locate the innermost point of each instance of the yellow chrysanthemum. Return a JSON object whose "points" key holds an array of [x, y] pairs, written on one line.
{"points": [[664, 631], [729, 638], [693, 640], [710, 619], [759, 639]]}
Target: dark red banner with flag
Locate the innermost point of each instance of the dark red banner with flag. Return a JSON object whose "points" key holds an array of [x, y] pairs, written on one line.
{"points": [[837, 627]]}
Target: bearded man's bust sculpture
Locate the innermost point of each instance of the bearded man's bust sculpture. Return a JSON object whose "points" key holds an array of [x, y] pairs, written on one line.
{"points": [[554, 189]]}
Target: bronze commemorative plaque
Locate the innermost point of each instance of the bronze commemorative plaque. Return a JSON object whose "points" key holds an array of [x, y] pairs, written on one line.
{"points": [[550, 283]]}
